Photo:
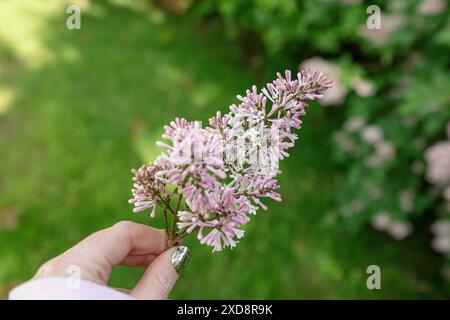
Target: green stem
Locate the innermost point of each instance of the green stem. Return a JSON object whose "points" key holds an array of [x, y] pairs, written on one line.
{"points": [[180, 197], [166, 202], [182, 236], [166, 226], [175, 218]]}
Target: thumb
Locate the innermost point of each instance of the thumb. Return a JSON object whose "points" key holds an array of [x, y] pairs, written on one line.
{"points": [[162, 274]]}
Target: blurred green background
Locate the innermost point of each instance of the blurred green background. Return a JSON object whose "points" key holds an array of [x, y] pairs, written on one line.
{"points": [[80, 108]]}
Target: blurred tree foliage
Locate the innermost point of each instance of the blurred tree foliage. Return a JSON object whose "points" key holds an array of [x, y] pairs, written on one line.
{"points": [[394, 83]]}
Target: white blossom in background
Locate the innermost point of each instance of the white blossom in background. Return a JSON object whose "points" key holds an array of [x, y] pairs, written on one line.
{"points": [[398, 230], [335, 95], [354, 123], [397, 5], [384, 151], [438, 173], [381, 221], [363, 88], [345, 142], [431, 7], [438, 163], [441, 232], [338, 93], [372, 134], [389, 24], [441, 227], [353, 208], [446, 193]]}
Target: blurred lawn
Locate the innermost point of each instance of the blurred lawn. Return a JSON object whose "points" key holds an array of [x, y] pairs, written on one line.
{"points": [[79, 109]]}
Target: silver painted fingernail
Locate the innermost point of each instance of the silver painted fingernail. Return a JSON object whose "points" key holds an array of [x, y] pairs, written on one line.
{"points": [[180, 258]]}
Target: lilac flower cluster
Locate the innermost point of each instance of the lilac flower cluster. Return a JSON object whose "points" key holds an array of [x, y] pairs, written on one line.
{"points": [[211, 180]]}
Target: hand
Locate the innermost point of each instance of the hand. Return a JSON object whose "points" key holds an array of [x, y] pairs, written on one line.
{"points": [[129, 244]]}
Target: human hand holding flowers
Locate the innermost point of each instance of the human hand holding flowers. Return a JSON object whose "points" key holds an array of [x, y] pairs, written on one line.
{"points": [[127, 244]]}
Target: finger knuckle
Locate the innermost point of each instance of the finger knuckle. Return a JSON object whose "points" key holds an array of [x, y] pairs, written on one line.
{"points": [[55, 266], [124, 225]]}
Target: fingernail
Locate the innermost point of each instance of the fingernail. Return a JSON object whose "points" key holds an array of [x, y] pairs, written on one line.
{"points": [[180, 258]]}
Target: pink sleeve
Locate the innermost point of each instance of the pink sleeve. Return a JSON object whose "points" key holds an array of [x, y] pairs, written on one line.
{"points": [[65, 289]]}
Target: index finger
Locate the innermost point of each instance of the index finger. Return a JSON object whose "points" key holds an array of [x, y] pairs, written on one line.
{"points": [[122, 239]]}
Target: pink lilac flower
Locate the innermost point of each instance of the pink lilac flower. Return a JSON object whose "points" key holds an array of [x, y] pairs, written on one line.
{"points": [[146, 189], [211, 180]]}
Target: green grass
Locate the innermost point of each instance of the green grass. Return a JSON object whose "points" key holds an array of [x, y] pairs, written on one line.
{"points": [[91, 106]]}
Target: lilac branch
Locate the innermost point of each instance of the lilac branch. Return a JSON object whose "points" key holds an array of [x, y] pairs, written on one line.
{"points": [[238, 163]]}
